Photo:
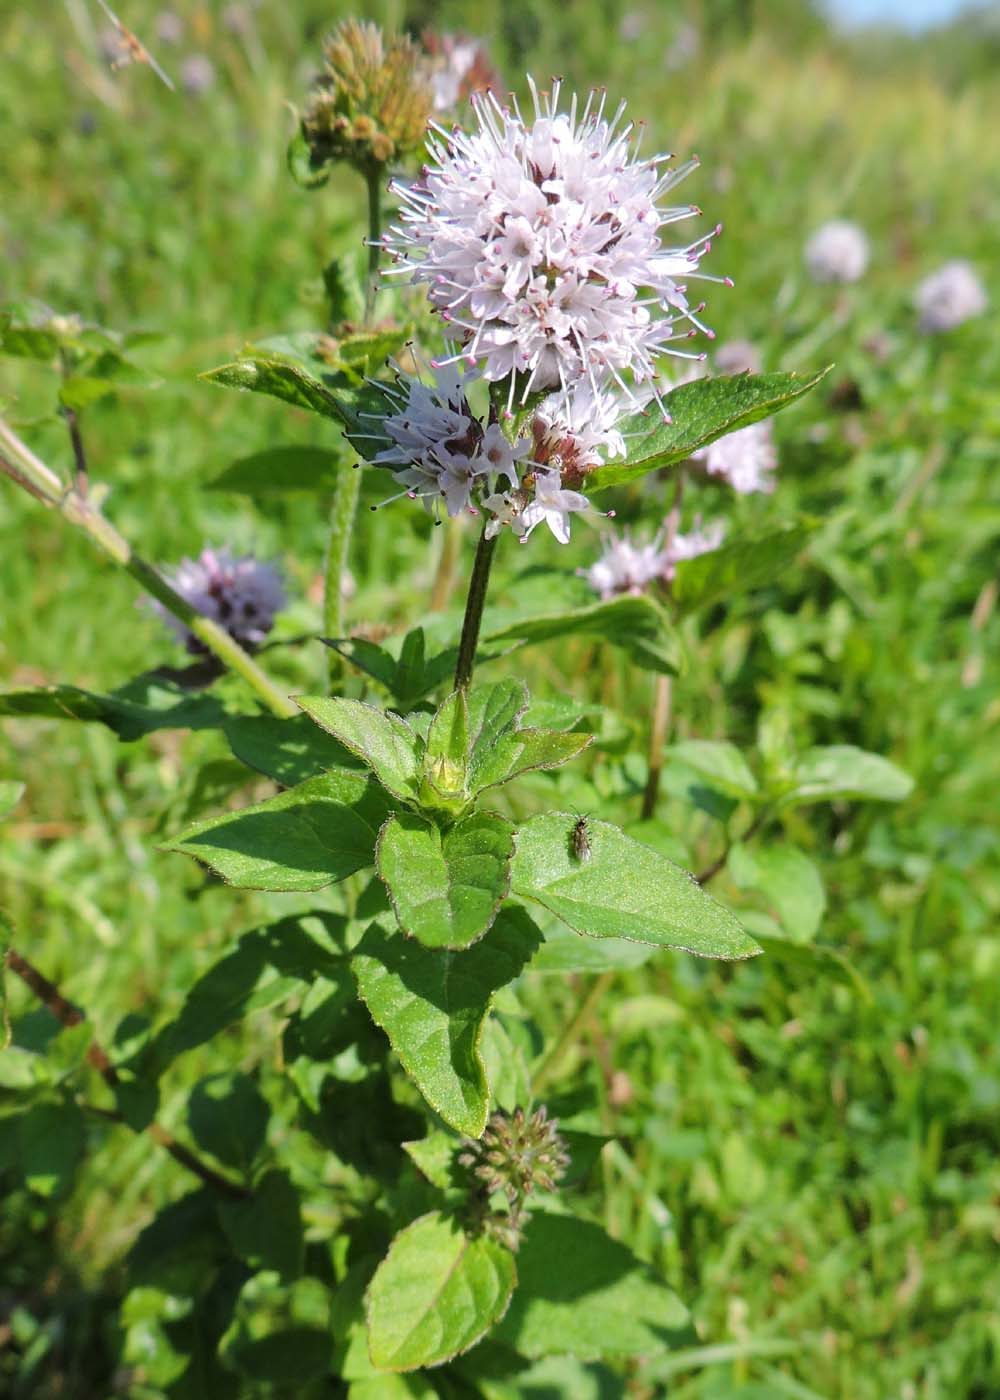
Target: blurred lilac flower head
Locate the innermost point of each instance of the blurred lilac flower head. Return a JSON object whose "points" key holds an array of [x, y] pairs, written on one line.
{"points": [[746, 459], [197, 74], [736, 356], [950, 296], [169, 27], [457, 67], [240, 594], [539, 242], [837, 252], [625, 567]]}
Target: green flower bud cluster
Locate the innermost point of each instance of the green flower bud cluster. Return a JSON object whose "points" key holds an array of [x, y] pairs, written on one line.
{"points": [[515, 1156], [371, 104]]}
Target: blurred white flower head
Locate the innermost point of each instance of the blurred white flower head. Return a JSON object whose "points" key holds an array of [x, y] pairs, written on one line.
{"points": [[746, 458], [457, 66], [950, 296], [169, 27], [837, 252], [626, 567], [241, 594], [197, 74], [539, 243]]}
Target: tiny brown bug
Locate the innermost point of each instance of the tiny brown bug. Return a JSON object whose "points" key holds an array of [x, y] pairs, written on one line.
{"points": [[581, 839]]}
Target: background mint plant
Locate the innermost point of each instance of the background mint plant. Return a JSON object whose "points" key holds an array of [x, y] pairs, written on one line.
{"points": [[268, 1312]]}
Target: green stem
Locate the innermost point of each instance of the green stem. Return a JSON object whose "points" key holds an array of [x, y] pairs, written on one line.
{"points": [[344, 510], [373, 179], [19, 463], [474, 604]]}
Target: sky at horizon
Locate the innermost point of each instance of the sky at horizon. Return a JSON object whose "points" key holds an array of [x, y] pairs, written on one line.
{"points": [[911, 14]]}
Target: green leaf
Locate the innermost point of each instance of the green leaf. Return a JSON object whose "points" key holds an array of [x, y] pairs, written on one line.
{"points": [[721, 765], [313, 834], [701, 412], [434, 1155], [288, 750], [6, 938], [581, 1292], [788, 880], [50, 1141], [739, 565], [436, 1293], [432, 1004], [383, 741], [564, 951], [409, 677], [445, 888], [625, 890], [816, 960], [293, 468], [10, 795], [390, 1387], [266, 1230], [139, 708], [641, 626], [304, 166], [228, 1116], [842, 772]]}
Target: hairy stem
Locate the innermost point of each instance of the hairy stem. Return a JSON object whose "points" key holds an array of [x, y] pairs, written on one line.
{"points": [[22, 466], [663, 693], [69, 1015], [344, 510], [474, 604]]}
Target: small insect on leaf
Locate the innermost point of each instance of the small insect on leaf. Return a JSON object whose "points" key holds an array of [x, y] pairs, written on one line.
{"points": [[581, 839]]}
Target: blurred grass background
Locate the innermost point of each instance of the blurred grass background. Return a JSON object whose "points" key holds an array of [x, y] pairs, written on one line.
{"points": [[815, 1172]]}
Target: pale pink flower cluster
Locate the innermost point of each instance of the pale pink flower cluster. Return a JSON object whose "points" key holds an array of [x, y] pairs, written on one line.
{"points": [[540, 246], [746, 459], [625, 567], [440, 450], [837, 252], [240, 594], [950, 296]]}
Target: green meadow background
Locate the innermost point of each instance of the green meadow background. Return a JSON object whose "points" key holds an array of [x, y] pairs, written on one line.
{"points": [[809, 1155]]}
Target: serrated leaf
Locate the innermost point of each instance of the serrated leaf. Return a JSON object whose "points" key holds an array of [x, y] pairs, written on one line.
{"points": [[437, 1291], [383, 741], [307, 837], [409, 677], [581, 1292], [288, 750], [701, 412], [434, 1155], [445, 888], [529, 751], [446, 756], [788, 880], [432, 1005], [640, 625], [133, 711], [228, 1116], [293, 468], [843, 772], [721, 765], [265, 1231], [738, 565], [625, 890]]}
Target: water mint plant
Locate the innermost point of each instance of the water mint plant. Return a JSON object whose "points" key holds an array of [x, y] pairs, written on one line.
{"points": [[394, 1195]]}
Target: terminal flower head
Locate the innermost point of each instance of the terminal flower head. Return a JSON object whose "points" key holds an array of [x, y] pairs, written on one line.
{"points": [[241, 594], [950, 296], [837, 252], [539, 242]]}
